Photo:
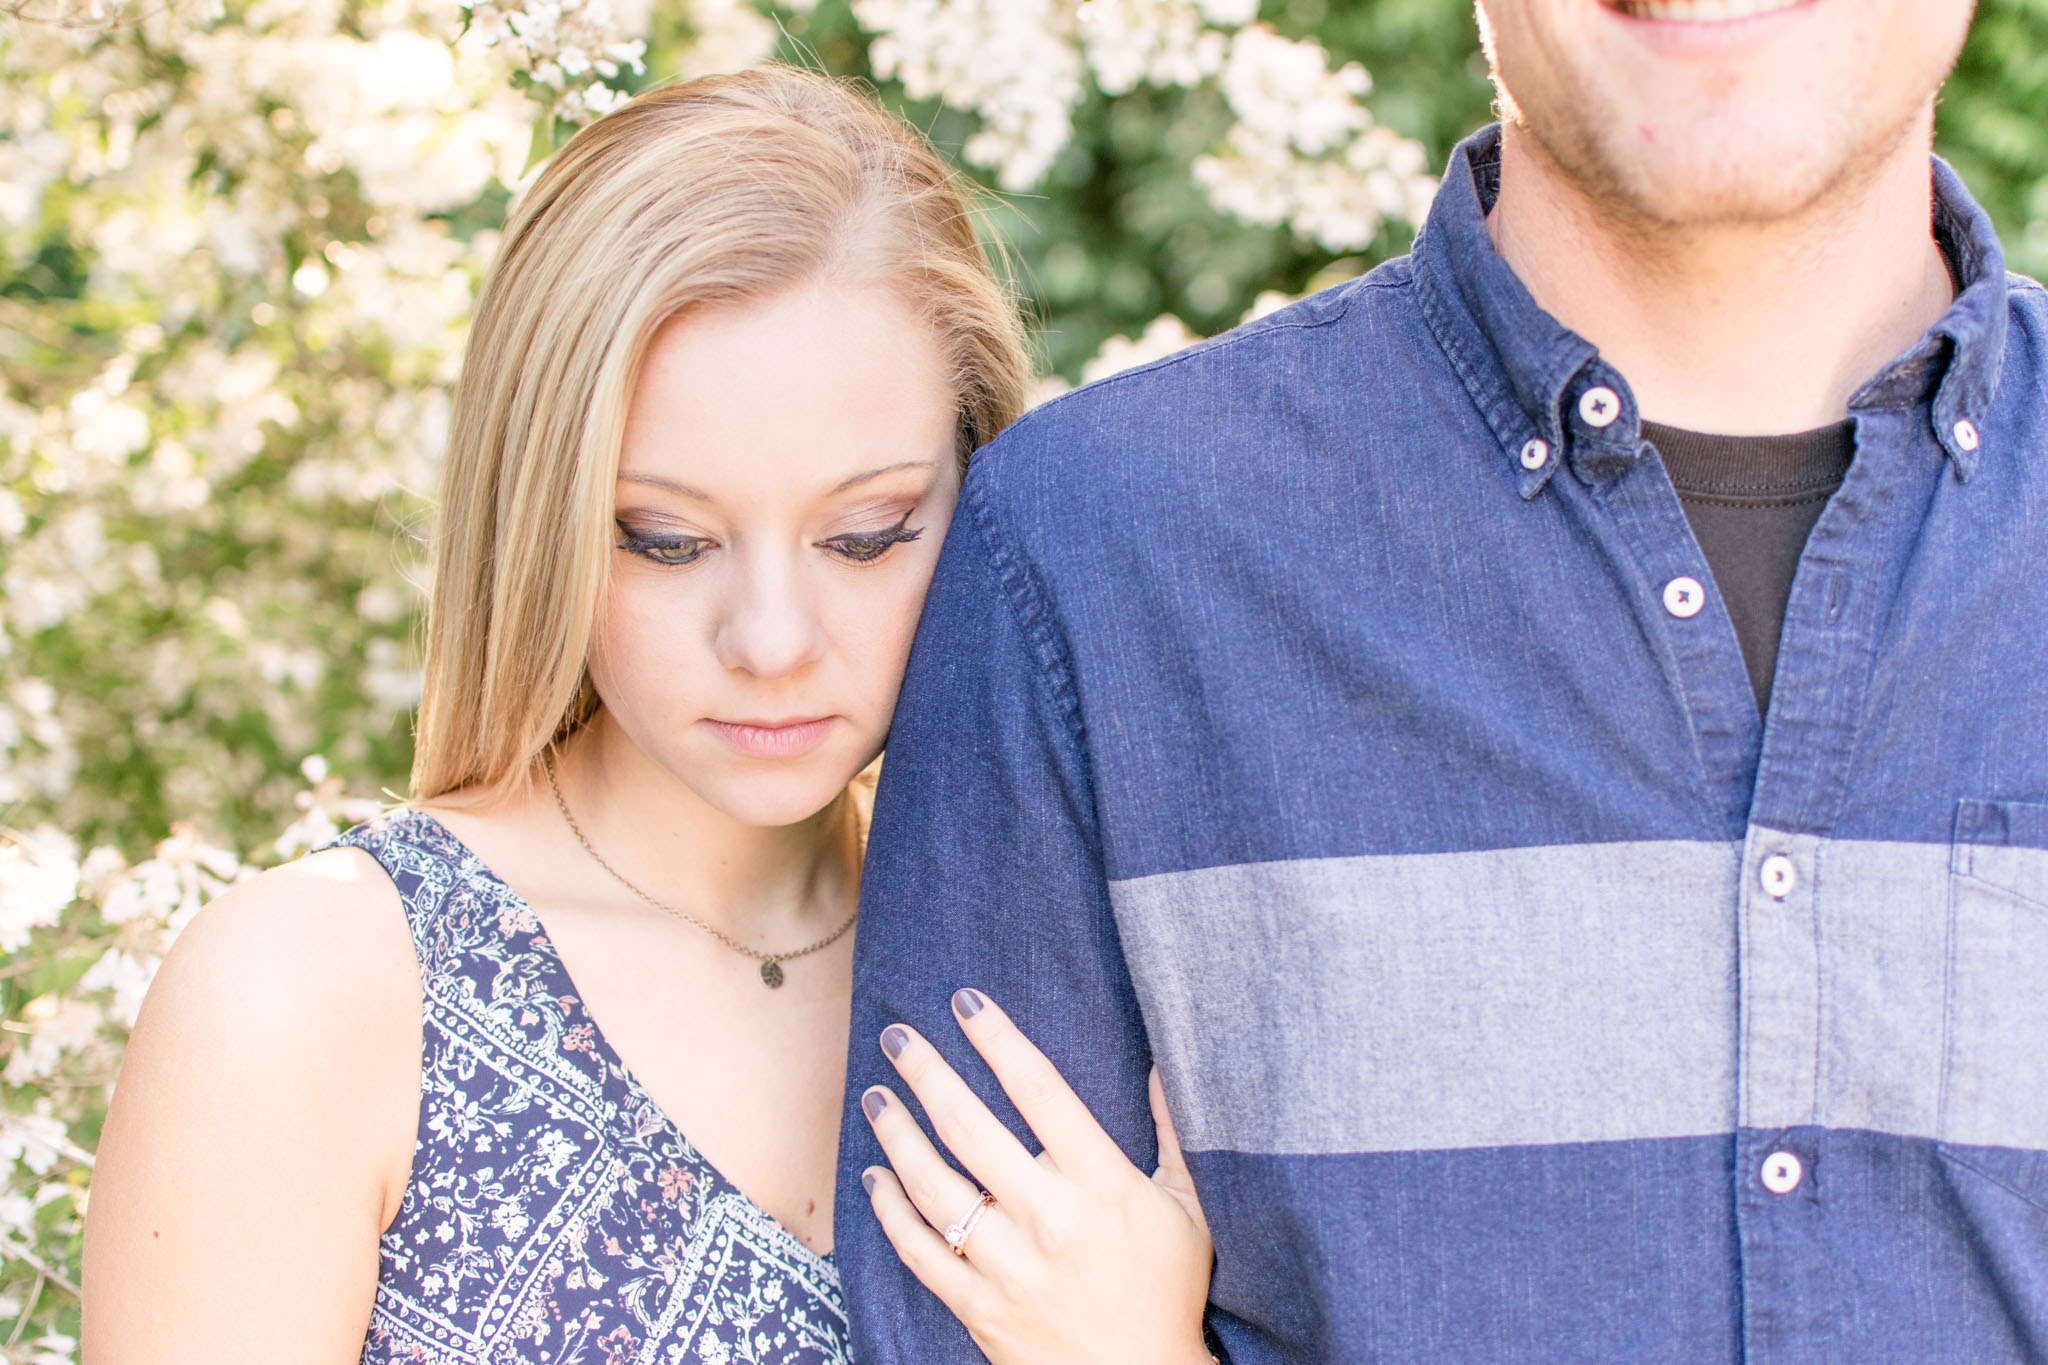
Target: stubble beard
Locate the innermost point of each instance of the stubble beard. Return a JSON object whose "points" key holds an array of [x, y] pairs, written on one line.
{"points": [[1724, 180]]}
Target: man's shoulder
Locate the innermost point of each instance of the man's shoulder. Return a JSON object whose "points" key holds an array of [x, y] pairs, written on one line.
{"points": [[2025, 367], [1139, 427], [2027, 297]]}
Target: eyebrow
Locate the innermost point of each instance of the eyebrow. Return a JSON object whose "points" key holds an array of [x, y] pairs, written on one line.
{"points": [[688, 491], [878, 473]]}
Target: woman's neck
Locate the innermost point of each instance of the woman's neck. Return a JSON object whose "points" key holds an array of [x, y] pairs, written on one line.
{"points": [[759, 884]]}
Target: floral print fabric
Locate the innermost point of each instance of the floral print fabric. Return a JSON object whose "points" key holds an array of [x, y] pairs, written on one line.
{"points": [[554, 1215]]}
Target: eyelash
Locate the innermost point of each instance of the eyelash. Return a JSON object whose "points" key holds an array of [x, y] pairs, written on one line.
{"points": [[867, 547], [864, 547]]}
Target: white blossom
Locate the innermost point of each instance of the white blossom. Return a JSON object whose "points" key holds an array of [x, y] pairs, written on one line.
{"points": [[126, 976], [1014, 63], [53, 1348], [17, 1216], [568, 48], [38, 881], [57, 1025], [35, 1141], [729, 34], [1161, 338], [1305, 151], [1164, 42]]}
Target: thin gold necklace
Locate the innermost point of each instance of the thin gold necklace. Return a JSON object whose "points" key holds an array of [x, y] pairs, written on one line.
{"points": [[771, 963]]}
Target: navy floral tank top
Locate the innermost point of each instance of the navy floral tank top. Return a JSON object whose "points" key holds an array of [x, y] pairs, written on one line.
{"points": [[554, 1215]]}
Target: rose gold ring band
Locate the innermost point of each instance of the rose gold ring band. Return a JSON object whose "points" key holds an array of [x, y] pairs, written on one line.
{"points": [[956, 1234]]}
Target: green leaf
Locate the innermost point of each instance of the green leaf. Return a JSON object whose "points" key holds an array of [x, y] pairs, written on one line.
{"points": [[60, 974], [543, 145]]}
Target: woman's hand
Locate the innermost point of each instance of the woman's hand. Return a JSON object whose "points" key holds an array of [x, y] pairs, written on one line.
{"points": [[1080, 1258]]}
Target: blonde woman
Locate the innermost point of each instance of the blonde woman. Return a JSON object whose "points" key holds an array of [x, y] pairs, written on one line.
{"points": [[546, 1066]]}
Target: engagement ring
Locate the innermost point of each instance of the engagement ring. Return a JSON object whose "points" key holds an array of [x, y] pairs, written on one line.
{"points": [[956, 1233]]}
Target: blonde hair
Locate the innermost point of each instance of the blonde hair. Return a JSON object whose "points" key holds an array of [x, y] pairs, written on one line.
{"points": [[717, 190]]}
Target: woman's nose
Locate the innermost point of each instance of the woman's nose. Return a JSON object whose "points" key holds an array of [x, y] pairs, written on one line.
{"points": [[770, 627]]}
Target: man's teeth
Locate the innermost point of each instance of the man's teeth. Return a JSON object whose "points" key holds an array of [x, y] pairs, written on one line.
{"points": [[1702, 11]]}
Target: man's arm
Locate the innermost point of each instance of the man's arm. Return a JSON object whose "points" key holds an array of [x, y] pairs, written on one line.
{"points": [[984, 869]]}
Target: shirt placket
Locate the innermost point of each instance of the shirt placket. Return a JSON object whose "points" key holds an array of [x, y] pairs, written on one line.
{"points": [[1677, 603], [1840, 601], [1779, 792]]}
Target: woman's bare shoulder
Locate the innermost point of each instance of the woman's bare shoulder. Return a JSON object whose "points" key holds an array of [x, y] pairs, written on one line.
{"points": [[301, 978], [262, 1124], [321, 936]]}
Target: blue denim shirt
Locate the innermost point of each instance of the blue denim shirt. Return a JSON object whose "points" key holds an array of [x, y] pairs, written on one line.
{"points": [[1342, 715]]}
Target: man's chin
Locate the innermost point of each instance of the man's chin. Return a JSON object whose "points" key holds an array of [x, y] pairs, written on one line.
{"points": [[1718, 196], [1706, 174]]}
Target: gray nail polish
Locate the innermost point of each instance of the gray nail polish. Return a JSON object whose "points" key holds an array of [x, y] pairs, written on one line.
{"points": [[894, 1039], [867, 1181], [874, 1102], [967, 1003]]}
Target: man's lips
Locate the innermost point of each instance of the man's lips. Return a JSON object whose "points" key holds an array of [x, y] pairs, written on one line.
{"points": [[1700, 11], [773, 738]]}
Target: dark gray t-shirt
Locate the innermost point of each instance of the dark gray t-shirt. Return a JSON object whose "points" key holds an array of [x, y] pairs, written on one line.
{"points": [[1752, 501]]}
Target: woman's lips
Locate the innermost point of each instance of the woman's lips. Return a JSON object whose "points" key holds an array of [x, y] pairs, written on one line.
{"points": [[772, 738]]}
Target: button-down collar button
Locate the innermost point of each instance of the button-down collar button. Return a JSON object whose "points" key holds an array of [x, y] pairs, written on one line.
{"points": [[1536, 454], [1599, 405], [1782, 1172], [1683, 598], [1779, 875], [1966, 434]]}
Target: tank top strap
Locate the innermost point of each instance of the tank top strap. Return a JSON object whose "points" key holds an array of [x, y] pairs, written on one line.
{"points": [[425, 863]]}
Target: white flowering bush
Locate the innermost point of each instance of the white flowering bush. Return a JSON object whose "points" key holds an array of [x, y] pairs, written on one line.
{"points": [[238, 247], [1303, 151], [81, 937], [239, 244]]}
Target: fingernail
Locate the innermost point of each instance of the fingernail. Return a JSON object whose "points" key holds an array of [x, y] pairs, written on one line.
{"points": [[894, 1039], [967, 1003], [874, 1102], [867, 1181]]}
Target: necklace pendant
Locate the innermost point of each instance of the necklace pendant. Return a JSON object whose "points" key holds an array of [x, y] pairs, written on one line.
{"points": [[771, 974]]}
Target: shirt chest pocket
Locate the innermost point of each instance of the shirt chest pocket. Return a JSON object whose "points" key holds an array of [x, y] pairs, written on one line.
{"points": [[1995, 1067]]}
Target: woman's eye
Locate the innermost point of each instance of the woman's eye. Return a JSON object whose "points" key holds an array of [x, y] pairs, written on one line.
{"points": [[675, 550], [868, 546]]}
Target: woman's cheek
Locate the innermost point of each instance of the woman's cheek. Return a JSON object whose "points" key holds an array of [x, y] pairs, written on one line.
{"points": [[641, 650], [896, 629]]}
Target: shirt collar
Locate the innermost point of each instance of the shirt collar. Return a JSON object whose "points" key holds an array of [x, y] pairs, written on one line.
{"points": [[1534, 380]]}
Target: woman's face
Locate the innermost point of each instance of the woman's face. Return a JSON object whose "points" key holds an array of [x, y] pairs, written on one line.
{"points": [[786, 476]]}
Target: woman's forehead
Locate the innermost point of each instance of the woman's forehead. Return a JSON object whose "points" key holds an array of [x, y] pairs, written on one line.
{"points": [[811, 393]]}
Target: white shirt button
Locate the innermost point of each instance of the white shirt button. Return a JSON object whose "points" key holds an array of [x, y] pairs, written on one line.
{"points": [[1536, 454], [1599, 405], [1779, 875], [1782, 1173], [1683, 598], [1966, 434]]}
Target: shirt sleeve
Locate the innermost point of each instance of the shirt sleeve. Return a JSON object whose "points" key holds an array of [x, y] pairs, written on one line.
{"points": [[984, 869]]}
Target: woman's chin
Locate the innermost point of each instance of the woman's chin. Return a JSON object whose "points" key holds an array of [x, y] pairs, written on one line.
{"points": [[773, 800]]}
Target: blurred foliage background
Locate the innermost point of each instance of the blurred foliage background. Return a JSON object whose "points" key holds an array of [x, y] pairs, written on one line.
{"points": [[239, 242], [1117, 235]]}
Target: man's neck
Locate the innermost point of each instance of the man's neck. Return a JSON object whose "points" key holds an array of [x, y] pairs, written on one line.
{"points": [[1740, 330]]}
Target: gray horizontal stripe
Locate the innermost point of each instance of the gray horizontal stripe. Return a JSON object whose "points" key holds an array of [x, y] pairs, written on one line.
{"points": [[1576, 994], [1593, 993]]}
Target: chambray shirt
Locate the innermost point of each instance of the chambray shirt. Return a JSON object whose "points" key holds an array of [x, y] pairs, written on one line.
{"points": [[1342, 715]]}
